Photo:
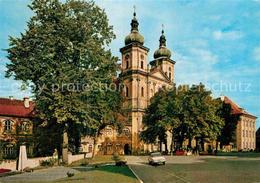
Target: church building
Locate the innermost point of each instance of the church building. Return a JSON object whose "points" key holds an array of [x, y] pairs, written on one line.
{"points": [[141, 80]]}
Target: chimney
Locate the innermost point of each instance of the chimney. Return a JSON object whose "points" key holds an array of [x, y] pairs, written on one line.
{"points": [[222, 97], [26, 102]]}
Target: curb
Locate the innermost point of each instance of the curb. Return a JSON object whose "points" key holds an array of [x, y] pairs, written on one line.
{"points": [[138, 178]]}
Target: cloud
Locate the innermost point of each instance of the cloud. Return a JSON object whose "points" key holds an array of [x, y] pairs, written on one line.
{"points": [[227, 35], [196, 65], [256, 53]]}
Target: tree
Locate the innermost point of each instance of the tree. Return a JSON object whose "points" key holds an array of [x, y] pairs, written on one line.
{"points": [[186, 112], [155, 127], [63, 58], [200, 111], [228, 132]]}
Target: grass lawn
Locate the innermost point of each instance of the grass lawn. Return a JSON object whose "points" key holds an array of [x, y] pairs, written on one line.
{"points": [[103, 174], [210, 171], [239, 154], [95, 160]]}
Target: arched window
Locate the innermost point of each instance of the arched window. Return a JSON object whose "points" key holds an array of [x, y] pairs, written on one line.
{"points": [[127, 61], [142, 64], [126, 91], [170, 73], [127, 64], [8, 125], [126, 132], [142, 91]]}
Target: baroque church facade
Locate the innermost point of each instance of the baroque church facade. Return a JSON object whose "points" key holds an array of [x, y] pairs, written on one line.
{"points": [[141, 80]]}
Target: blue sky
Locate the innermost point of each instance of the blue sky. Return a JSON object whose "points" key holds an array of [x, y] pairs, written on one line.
{"points": [[216, 42]]}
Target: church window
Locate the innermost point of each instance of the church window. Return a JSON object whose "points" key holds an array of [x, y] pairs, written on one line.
{"points": [[142, 64], [170, 73], [126, 132], [127, 61], [127, 64], [126, 92], [109, 147], [8, 125], [142, 91], [108, 131]]}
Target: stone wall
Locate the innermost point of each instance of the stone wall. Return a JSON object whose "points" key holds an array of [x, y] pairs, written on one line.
{"points": [[73, 158], [31, 163]]}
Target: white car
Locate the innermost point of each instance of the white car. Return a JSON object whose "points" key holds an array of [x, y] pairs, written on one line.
{"points": [[156, 158]]}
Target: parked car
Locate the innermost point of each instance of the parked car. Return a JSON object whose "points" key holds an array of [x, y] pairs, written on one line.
{"points": [[156, 158]]}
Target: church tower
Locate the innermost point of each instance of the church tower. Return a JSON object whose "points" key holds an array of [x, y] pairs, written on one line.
{"points": [[162, 59], [134, 77]]}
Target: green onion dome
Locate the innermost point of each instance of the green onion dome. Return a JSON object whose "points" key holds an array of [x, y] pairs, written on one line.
{"points": [[162, 51], [134, 36]]}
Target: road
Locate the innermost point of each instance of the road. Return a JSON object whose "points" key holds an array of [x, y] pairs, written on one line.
{"points": [[203, 169], [161, 173]]}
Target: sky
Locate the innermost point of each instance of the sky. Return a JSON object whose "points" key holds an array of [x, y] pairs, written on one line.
{"points": [[216, 42]]}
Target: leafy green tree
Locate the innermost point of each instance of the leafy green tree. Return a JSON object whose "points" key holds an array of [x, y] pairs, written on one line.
{"points": [[200, 111], [63, 57], [228, 132], [186, 112]]}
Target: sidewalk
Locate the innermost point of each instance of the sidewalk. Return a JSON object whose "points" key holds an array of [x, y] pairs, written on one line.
{"points": [[45, 175]]}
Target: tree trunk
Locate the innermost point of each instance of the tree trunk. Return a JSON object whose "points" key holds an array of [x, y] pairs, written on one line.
{"points": [[197, 146], [65, 145], [94, 145], [166, 148], [216, 147], [172, 144], [160, 146], [190, 140]]}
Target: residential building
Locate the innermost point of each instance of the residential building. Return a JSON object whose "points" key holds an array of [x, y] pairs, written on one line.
{"points": [[16, 125]]}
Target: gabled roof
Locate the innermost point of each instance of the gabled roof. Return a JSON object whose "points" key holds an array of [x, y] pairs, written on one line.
{"points": [[236, 109], [162, 74], [16, 108]]}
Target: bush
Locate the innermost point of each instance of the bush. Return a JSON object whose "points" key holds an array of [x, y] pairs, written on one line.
{"points": [[119, 161], [70, 174], [84, 162], [48, 162]]}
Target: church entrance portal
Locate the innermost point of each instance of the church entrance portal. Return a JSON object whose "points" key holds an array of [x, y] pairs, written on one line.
{"points": [[126, 149]]}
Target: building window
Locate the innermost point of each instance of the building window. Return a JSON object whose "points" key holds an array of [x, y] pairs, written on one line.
{"points": [[246, 133], [25, 126], [109, 147], [8, 125], [170, 73], [126, 132], [142, 91], [127, 61], [108, 131], [127, 64], [243, 133], [8, 150], [126, 92], [151, 92], [142, 64]]}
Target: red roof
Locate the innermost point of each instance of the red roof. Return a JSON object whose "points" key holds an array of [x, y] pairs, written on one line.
{"points": [[235, 108], [15, 108]]}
